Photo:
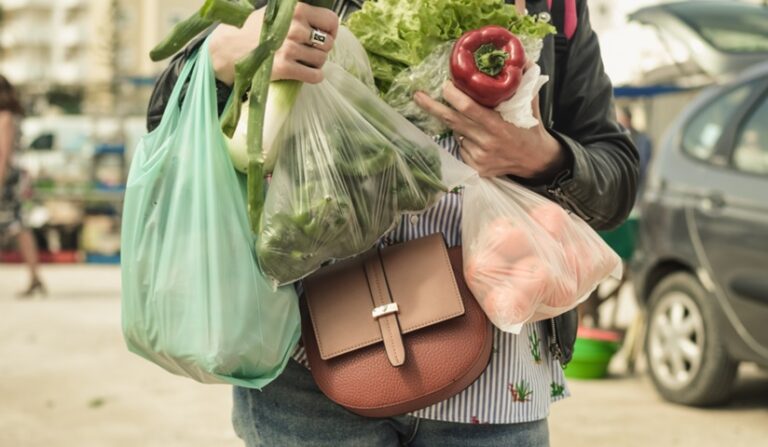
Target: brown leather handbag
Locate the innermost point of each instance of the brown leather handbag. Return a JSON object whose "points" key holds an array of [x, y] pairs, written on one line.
{"points": [[395, 330]]}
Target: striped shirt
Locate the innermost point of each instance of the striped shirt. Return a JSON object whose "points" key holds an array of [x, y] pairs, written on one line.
{"points": [[522, 378]]}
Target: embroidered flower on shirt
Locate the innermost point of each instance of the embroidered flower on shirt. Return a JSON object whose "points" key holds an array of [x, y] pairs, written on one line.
{"points": [[521, 391], [535, 345], [557, 390]]}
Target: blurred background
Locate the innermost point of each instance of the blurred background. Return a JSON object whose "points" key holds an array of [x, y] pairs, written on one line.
{"points": [[675, 354]]}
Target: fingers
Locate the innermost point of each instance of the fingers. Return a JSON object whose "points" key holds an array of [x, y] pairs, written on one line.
{"points": [[298, 58], [301, 33], [447, 115], [307, 55], [297, 71], [318, 18], [470, 153], [467, 106], [479, 160]]}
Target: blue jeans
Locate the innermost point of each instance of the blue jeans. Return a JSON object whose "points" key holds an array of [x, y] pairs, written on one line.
{"points": [[293, 412]]}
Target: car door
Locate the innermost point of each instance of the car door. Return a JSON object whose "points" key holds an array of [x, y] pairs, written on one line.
{"points": [[728, 223]]}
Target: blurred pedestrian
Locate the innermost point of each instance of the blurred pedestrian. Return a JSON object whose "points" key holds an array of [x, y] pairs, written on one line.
{"points": [[642, 142], [11, 223]]}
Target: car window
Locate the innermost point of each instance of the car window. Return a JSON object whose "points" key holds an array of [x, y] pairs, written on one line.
{"points": [[702, 133], [751, 151]]}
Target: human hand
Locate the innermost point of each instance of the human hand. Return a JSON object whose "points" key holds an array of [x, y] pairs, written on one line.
{"points": [[297, 58], [490, 145]]}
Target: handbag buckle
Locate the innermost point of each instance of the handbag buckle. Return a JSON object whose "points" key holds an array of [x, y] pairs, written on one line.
{"points": [[383, 311]]}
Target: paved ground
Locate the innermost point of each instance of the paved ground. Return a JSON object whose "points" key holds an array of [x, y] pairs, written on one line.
{"points": [[66, 380]]}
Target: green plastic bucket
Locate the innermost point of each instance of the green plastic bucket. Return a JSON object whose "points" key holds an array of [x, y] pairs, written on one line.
{"points": [[591, 357]]}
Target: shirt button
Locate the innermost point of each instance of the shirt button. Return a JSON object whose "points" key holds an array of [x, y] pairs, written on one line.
{"points": [[414, 220]]}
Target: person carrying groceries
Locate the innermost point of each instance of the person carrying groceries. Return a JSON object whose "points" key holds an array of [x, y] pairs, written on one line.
{"points": [[577, 156]]}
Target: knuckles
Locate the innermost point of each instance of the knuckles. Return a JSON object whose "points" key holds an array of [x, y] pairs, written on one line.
{"points": [[315, 77], [300, 13], [464, 106], [290, 50], [448, 118], [297, 32]]}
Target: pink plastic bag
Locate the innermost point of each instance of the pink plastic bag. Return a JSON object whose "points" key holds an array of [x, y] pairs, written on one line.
{"points": [[525, 258]]}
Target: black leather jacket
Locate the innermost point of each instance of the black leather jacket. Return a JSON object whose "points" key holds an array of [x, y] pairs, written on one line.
{"points": [[600, 182]]}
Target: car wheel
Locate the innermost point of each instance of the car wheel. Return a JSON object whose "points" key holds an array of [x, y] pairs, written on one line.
{"points": [[688, 363]]}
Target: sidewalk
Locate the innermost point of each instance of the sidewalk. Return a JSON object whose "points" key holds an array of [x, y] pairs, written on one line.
{"points": [[68, 381]]}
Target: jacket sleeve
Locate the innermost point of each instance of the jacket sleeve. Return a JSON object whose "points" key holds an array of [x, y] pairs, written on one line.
{"points": [[601, 184]]}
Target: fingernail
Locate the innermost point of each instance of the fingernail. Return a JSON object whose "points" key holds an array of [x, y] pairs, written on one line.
{"points": [[418, 96]]}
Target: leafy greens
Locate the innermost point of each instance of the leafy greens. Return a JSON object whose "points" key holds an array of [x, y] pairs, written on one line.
{"points": [[398, 34]]}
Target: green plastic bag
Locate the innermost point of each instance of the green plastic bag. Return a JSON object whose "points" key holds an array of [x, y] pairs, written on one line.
{"points": [[194, 299]]}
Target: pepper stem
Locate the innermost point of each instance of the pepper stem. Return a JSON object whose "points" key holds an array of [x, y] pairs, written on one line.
{"points": [[490, 60]]}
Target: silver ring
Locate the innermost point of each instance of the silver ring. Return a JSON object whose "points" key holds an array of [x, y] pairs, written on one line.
{"points": [[317, 38], [461, 139]]}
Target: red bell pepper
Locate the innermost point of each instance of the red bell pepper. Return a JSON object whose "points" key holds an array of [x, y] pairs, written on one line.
{"points": [[487, 64]]}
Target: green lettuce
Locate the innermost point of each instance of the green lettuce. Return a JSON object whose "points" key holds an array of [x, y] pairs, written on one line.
{"points": [[398, 34]]}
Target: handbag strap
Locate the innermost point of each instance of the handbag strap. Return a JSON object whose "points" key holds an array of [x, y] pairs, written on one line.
{"points": [[385, 310]]}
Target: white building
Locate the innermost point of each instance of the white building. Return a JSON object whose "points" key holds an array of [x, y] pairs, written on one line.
{"points": [[44, 41], [92, 48]]}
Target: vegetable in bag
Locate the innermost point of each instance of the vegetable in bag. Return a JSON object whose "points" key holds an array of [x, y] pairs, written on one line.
{"points": [[347, 52], [424, 62], [526, 259], [349, 166], [398, 35], [252, 77], [194, 300]]}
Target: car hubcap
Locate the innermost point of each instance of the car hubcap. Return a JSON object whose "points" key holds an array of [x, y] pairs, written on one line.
{"points": [[676, 340]]}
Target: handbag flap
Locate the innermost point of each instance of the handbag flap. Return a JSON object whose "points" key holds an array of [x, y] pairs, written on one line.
{"points": [[419, 279]]}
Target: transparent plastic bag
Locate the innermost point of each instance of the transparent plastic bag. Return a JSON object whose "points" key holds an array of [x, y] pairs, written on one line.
{"points": [[194, 300], [349, 53], [349, 166], [525, 258], [430, 75]]}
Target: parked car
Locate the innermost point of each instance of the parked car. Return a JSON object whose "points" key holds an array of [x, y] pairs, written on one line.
{"points": [[701, 267], [704, 41]]}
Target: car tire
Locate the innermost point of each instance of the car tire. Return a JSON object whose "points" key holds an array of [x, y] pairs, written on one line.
{"points": [[673, 336]]}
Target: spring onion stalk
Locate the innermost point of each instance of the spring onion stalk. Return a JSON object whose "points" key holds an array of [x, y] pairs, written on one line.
{"points": [[265, 115], [225, 11], [179, 36], [280, 99], [233, 13], [277, 21]]}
